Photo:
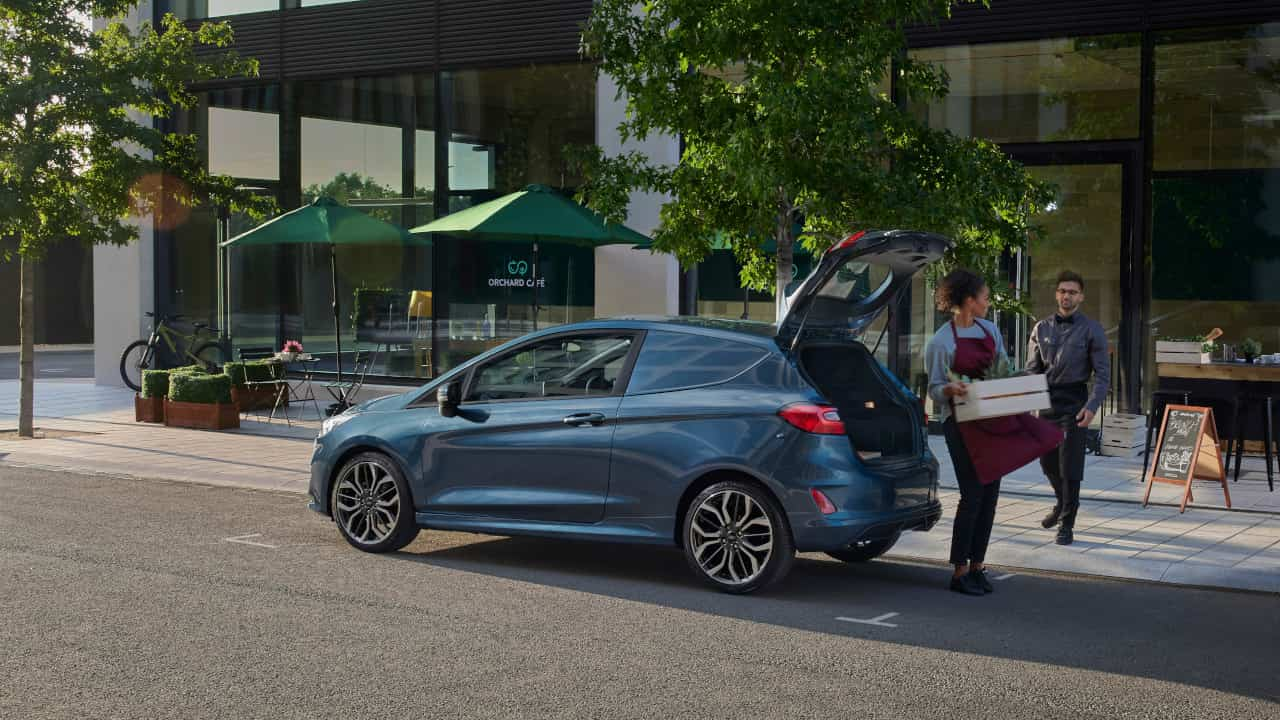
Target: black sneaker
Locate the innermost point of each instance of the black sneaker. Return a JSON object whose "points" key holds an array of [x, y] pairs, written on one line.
{"points": [[966, 584], [1065, 536], [980, 577], [1052, 518]]}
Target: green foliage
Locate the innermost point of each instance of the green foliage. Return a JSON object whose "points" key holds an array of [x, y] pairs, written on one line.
{"points": [[79, 156], [785, 122], [1250, 348], [250, 371], [155, 383], [208, 389]]}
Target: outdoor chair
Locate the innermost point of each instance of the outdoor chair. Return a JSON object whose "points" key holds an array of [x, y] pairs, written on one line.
{"points": [[276, 381], [345, 390]]}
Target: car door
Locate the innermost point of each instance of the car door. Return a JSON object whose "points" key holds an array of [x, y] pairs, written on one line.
{"points": [[534, 431]]}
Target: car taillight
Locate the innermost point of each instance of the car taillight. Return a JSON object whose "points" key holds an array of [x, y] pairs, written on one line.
{"points": [[825, 506], [817, 419]]}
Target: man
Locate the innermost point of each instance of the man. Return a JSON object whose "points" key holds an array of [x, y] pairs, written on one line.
{"points": [[1070, 349]]}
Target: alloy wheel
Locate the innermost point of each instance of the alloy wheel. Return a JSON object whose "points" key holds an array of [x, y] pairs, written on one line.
{"points": [[731, 537], [367, 503]]}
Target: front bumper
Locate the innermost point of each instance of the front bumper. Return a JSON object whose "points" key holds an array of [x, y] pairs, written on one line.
{"points": [[819, 533], [317, 489]]}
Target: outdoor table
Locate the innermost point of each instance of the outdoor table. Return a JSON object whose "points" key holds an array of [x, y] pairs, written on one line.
{"points": [[1224, 382], [302, 384]]}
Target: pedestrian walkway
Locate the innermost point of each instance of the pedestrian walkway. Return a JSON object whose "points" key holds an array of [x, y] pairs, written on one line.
{"points": [[1115, 535]]}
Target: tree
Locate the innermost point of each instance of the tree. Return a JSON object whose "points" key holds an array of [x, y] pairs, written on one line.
{"points": [[782, 123], [80, 158]]}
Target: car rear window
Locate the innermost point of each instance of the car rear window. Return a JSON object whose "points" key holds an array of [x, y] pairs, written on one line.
{"points": [[672, 360]]}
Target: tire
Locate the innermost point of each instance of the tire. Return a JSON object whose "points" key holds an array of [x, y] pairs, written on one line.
{"points": [[135, 358], [870, 551], [210, 354], [736, 538], [364, 484]]}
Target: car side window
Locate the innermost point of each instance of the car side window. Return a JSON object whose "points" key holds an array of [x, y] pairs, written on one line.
{"points": [[566, 366]]}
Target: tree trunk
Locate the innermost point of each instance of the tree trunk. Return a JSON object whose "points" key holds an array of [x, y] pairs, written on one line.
{"points": [[786, 242], [27, 340]]}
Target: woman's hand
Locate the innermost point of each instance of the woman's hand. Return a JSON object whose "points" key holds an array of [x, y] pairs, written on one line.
{"points": [[955, 389]]}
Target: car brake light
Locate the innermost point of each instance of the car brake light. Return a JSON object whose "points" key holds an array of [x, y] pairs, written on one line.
{"points": [[817, 419], [825, 506]]}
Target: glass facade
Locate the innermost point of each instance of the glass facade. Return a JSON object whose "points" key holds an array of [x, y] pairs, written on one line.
{"points": [[372, 143], [1215, 243]]}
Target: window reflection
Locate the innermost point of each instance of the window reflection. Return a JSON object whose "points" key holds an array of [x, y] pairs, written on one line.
{"points": [[1041, 90], [197, 9]]}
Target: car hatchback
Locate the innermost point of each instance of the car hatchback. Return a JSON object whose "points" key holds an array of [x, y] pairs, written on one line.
{"points": [[740, 443]]}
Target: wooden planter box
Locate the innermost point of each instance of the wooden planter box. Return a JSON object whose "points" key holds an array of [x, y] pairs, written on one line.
{"points": [[201, 416], [262, 397], [148, 409], [1008, 396], [1187, 353]]}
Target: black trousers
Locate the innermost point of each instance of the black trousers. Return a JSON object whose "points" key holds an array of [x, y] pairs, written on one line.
{"points": [[1064, 465], [976, 512]]}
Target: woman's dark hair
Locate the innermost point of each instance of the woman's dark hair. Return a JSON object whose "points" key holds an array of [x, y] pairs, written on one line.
{"points": [[959, 285]]}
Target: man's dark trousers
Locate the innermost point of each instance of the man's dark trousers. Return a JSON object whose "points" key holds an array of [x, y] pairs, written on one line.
{"points": [[1064, 465]]}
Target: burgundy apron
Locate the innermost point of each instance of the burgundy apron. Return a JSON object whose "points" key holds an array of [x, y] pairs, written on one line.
{"points": [[998, 446]]}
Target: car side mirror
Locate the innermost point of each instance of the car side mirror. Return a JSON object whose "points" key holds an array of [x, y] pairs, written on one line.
{"points": [[448, 397]]}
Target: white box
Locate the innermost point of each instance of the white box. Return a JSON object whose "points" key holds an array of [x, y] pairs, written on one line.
{"points": [[1178, 346], [1124, 452], [1124, 421], [1007, 396], [1183, 358], [1123, 438]]}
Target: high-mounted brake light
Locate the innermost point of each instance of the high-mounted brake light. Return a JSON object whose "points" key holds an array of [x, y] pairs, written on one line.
{"points": [[849, 241], [817, 419]]}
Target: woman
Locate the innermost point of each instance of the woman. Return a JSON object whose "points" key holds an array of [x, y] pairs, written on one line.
{"points": [[967, 346]]}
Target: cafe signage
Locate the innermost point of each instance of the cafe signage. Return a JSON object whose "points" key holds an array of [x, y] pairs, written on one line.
{"points": [[1187, 450], [516, 276]]}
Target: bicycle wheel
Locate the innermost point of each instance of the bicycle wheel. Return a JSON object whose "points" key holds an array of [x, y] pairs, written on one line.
{"points": [[135, 358], [209, 354]]}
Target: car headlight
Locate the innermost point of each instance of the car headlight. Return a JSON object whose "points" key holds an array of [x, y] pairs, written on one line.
{"points": [[331, 424]]}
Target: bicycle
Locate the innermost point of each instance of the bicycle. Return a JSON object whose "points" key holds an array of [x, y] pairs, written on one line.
{"points": [[141, 354]]}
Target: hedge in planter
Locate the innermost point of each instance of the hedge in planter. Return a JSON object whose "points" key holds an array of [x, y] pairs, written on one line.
{"points": [[148, 405], [200, 401], [259, 396]]}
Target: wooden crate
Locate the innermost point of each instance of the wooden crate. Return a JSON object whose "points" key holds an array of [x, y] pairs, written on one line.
{"points": [[1007, 396], [1183, 358], [1125, 421]]}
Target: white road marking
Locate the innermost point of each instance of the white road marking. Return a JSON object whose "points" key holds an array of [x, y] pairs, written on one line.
{"points": [[54, 370], [877, 621], [1006, 576], [244, 540]]}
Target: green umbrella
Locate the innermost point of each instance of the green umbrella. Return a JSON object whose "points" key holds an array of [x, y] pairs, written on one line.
{"points": [[533, 215], [327, 222]]}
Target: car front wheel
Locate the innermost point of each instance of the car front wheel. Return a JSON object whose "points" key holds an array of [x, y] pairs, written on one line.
{"points": [[736, 538], [372, 506]]}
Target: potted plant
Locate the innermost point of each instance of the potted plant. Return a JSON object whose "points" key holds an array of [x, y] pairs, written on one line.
{"points": [[256, 384], [1250, 349], [148, 405], [200, 401], [290, 352]]}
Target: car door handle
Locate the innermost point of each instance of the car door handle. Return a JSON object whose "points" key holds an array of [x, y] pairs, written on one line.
{"points": [[584, 419]]}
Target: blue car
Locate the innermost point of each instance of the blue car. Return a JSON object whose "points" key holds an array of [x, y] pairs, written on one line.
{"points": [[740, 443]]}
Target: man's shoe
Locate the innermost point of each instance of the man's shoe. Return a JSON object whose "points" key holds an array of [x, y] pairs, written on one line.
{"points": [[1065, 536], [965, 584], [980, 577], [1052, 518]]}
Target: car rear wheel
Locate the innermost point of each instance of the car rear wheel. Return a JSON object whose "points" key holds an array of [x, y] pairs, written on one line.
{"points": [[372, 505], [863, 553], [736, 538]]}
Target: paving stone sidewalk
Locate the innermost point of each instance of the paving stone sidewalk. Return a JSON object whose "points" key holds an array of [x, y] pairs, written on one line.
{"points": [[1115, 536]]}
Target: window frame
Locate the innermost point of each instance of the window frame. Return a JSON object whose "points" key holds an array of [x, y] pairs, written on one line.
{"points": [[619, 387]]}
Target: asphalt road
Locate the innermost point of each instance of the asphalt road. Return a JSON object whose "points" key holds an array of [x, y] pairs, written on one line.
{"points": [[144, 599], [51, 364]]}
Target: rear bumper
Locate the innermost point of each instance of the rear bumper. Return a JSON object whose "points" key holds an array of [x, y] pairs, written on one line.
{"points": [[818, 533]]}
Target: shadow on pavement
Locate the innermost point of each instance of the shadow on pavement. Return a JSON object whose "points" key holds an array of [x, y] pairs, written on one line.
{"points": [[1223, 641]]}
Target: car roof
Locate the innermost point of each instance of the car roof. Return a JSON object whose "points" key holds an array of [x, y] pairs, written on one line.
{"points": [[756, 333]]}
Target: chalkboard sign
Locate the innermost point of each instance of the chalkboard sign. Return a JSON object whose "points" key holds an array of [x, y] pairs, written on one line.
{"points": [[1187, 449]]}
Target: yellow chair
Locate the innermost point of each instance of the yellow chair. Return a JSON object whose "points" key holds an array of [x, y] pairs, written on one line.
{"points": [[420, 307]]}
